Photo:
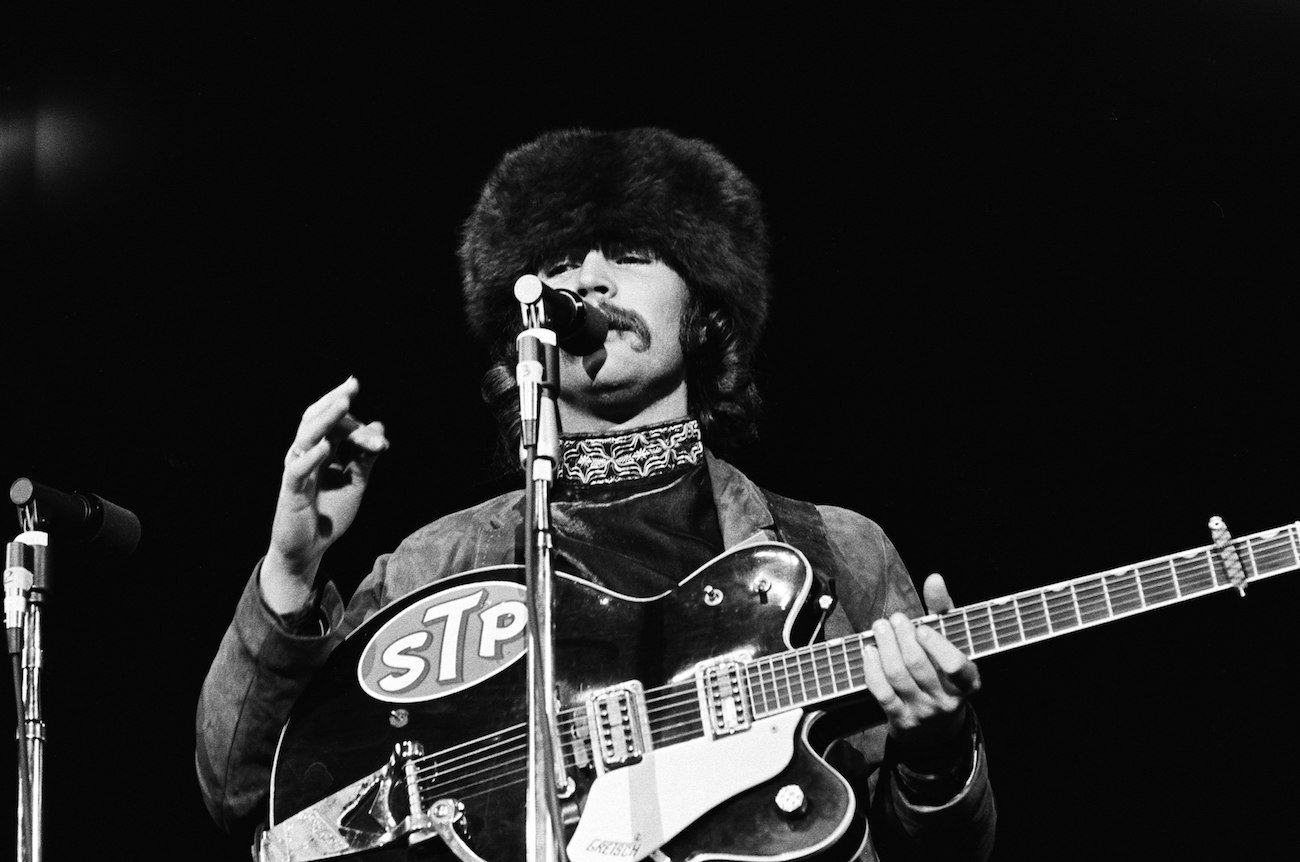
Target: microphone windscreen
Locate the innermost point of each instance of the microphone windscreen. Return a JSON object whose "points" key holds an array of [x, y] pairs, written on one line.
{"points": [[589, 336]]}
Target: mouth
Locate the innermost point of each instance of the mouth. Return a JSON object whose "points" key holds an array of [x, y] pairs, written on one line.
{"points": [[624, 323]]}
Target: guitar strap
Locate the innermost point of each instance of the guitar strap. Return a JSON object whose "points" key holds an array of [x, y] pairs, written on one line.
{"points": [[798, 523]]}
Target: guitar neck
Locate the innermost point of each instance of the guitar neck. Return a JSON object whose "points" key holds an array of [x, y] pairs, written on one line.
{"points": [[831, 670]]}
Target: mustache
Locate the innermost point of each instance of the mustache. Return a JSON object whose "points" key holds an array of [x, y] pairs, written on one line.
{"points": [[625, 320]]}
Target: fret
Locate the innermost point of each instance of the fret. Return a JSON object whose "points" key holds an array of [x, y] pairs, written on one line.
{"points": [[1077, 617], [803, 683], [1193, 575], [830, 667], [1006, 627], [1105, 591], [1295, 545], [1033, 619], [1284, 552], [1267, 555], [843, 659], [768, 689], [769, 677], [793, 672], [775, 686], [1155, 587], [1141, 594], [1250, 552], [789, 686], [1042, 597], [842, 667], [993, 628], [1092, 604], [817, 683], [862, 651], [1061, 610], [952, 629], [970, 641], [1123, 591], [1215, 571], [749, 685], [1173, 575]]}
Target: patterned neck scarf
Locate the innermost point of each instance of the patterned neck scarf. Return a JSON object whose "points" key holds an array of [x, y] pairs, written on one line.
{"points": [[656, 450]]}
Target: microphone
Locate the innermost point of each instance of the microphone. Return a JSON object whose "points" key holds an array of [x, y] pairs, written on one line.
{"points": [[579, 328], [90, 518]]}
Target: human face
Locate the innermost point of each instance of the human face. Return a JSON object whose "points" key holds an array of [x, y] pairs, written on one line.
{"points": [[639, 376]]}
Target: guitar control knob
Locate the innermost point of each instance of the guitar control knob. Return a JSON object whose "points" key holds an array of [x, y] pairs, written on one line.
{"points": [[791, 801]]}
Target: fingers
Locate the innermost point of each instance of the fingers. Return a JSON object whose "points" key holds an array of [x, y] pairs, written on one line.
{"points": [[935, 592], [324, 414], [370, 439], [914, 672], [886, 670], [327, 420], [905, 661], [955, 667], [300, 465], [345, 390]]}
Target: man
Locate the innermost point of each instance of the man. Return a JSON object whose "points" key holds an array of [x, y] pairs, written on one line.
{"points": [[666, 237]]}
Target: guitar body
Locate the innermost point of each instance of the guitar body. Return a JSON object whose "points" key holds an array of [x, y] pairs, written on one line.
{"points": [[749, 601]]}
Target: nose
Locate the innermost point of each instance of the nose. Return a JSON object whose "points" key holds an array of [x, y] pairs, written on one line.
{"points": [[595, 277]]}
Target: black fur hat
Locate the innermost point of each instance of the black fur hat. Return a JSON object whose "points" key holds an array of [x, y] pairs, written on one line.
{"points": [[577, 189]]}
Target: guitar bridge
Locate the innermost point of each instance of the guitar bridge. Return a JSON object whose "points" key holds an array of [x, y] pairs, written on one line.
{"points": [[620, 729]]}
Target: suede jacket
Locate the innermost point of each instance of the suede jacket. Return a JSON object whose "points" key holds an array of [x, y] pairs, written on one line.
{"points": [[262, 667]]}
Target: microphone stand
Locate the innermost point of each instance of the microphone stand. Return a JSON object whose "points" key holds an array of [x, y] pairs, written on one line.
{"points": [[26, 581], [538, 378]]}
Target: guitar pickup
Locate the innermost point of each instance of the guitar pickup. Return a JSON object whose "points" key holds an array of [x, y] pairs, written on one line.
{"points": [[722, 697], [620, 729]]}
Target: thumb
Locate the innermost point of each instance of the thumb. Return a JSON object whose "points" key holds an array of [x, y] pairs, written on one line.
{"points": [[935, 591]]}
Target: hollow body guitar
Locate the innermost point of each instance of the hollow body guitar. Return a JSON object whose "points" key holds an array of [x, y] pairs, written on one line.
{"points": [[664, 751], [690, 721]]}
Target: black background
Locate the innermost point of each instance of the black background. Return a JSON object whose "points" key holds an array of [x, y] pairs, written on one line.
{"points": [[1034, 315]]}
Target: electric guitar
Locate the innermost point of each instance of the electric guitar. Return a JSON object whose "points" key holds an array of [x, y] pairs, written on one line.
{"points": [[690, 723]]}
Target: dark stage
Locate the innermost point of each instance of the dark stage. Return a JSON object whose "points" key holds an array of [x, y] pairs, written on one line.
{"points": [[1032, 316]]}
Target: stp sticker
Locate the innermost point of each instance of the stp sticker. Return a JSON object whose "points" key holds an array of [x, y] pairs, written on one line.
{"points": [[446, 643]]}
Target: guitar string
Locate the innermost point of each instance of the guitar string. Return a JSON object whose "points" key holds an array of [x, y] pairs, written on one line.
{"points": [[515, 763], [1118, 592], [675, 700], [511, 758], [1135, 580], [445, 767], [442, 763], [853, 666], [1104, 596]]}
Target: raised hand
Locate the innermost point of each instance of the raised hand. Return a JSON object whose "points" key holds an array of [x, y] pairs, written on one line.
{"points": [[315, 509]]}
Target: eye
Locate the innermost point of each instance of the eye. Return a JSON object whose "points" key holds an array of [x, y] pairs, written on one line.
{"points": [[637, 257], [560, 266]]}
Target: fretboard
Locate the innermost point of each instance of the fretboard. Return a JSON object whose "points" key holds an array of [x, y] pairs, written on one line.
{"points": [[833, 669]]}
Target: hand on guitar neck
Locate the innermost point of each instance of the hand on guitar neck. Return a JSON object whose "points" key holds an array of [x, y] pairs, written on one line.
{"points": [[319, 497], [922, 683]]}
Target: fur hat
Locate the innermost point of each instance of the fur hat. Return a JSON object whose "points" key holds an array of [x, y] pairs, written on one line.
{"points": [[577, 189]]}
